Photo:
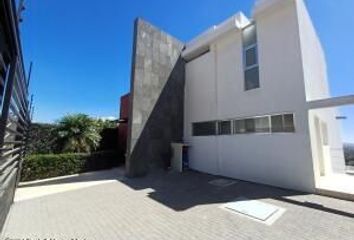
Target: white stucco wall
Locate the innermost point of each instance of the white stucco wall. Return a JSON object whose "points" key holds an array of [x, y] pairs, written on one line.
{"points": [[328, 158], [200, 105], [215, 91], [314, 62]]}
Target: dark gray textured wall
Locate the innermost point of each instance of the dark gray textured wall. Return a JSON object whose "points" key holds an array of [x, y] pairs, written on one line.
{"points": [[157, 96]]}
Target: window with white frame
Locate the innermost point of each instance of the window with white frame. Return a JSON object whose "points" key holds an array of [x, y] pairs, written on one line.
{"points": [[252, 125], [279, 123], [262, 125], [283, 123], [224, 128]]}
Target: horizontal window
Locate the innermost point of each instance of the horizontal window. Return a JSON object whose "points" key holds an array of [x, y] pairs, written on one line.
{"points": [[204, 128], [241, 126], [266, 124], [224, 127], [252, 125], [283, 123], [262, 124]]}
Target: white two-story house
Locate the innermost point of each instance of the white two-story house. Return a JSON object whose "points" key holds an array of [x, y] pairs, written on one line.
{"points": [[249, 87], [248, 82]]}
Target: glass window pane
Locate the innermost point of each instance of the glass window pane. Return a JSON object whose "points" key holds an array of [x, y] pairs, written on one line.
{"points": [[204, 128], [250, 125], [289, 123], [251, 78], [251, 56], [277, 123], [249, 35], [224, 127], [262, 124], [240, 126]]}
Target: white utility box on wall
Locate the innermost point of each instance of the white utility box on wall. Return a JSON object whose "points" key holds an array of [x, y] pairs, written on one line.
{"points": [[179, 161]]}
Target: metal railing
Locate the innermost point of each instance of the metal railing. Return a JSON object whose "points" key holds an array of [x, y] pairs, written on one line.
{"points": [[14, 106]]}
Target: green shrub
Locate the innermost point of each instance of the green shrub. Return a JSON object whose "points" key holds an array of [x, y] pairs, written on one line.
{"points": [[65, 137], [43, 139], [41, 166]]}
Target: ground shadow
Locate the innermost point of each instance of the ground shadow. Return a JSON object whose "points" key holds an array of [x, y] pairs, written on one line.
{"points": [[182, 191]]}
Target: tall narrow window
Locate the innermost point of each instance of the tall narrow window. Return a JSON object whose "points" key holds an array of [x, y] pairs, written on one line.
{"points": [[250, 56]]}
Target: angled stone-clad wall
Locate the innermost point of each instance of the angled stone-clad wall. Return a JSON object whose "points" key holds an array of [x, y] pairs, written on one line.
{"points": [[157, 92]]}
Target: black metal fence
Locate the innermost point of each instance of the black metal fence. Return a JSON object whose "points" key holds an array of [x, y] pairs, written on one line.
{"points": [[14, 105]]}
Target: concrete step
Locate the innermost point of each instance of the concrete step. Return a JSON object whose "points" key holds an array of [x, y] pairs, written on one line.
{"points": [[337, 185], [336, 194]]}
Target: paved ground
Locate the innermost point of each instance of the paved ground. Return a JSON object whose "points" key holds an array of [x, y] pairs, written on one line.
{"points": [[35, 189], [171, 206]]}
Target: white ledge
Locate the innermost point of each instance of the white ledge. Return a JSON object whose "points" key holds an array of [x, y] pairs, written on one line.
{"points": [[331, 102], [203, 41]]}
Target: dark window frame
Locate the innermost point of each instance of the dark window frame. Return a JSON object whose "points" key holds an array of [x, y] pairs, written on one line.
{"points": [[203, 131], [221, 130]]}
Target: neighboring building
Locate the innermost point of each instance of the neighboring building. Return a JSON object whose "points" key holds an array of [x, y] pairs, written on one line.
{"points": [[239, 94]]}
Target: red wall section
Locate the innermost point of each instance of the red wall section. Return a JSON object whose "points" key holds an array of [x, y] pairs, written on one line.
{"points": [[123, 122], [124, 106]]}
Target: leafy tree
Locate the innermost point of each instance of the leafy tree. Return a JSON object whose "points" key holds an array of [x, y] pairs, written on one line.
{"points": [[78, 133]]}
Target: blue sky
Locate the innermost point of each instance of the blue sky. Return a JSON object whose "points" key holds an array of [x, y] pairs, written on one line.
{"points": [[82, 49]]}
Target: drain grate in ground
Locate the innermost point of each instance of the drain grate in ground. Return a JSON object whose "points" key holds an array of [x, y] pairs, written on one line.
{"points": [[254, 209], [222, 182]]}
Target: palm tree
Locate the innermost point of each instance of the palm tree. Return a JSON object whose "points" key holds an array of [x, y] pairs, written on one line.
{"points": [[78, 133]]}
